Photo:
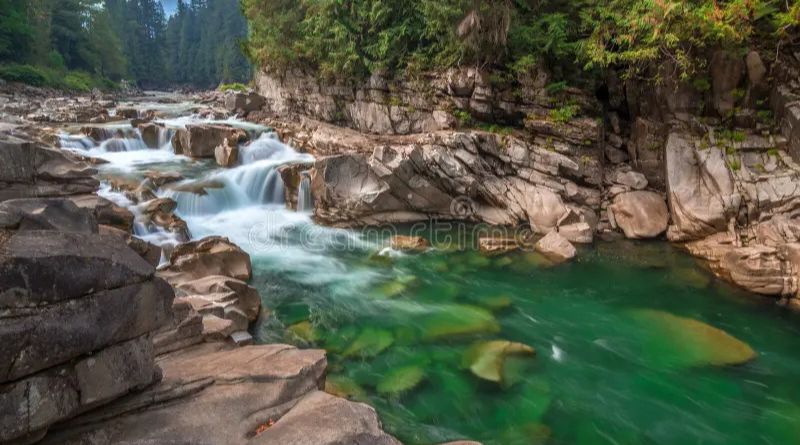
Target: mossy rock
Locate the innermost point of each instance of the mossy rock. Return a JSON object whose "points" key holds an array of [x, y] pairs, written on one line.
{"points": [[401, 380], [304, 331], [456, 320], [486, 359], [673, 341], [344, 387], [369, 343]]}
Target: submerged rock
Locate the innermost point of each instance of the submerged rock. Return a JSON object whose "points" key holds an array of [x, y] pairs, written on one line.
{"points": [[674, 341], [486, 359]]}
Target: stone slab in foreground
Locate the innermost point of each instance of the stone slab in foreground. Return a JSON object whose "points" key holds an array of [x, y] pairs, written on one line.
{"points": [[214, 395]]}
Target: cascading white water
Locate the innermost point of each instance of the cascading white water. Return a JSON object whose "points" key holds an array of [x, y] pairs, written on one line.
{"points": [[305, 202], [256, 182], [165, 138]]}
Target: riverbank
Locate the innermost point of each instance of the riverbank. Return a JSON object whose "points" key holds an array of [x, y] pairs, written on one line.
{"points": [[132, 348], [480, 340]]}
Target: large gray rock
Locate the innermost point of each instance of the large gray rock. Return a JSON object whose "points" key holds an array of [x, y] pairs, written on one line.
{"points": [[55, 395], [212, 395], [46, 267], [46, 214], [457, 176], [641, 214], [34, 339], [29, 170], [701, 189]]}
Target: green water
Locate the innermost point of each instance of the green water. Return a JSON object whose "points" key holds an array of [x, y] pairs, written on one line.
{"points": [[397, 332]]}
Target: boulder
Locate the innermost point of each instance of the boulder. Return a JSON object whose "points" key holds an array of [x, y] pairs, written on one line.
{"points": [[227, 292], [244, 102], [128, 113], [630, 178], [151, 134], [227, 154], [46, 214], [160, 178], [46, 267], [200, 141], [701, 189], [210, 256], [161, 212], [640, 214], [211, 394], [556, 248], [30, 170], [579, 232], [63, 392]]}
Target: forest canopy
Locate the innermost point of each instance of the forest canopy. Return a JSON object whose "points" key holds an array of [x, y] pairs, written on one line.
{"points": [[352, 38], [83, 44]]}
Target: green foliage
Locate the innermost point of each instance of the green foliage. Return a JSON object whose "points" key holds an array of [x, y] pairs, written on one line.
{"points": [[351, 39], [236, 86], [464, 118], [24, 73], [565, 113], [79, 81], [109, 40]]}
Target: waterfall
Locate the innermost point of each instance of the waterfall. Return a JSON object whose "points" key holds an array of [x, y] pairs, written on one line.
{"points": [[76, 142], [165, 138], [305, 202], [267, 146], [133, 143], [248, 185]]}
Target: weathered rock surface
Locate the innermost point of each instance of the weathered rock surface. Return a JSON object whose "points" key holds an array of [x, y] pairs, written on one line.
{"points": [[46, 214], [251, 395], [640, 214], [556, 248], [244, 103], [410, 243], [72, 339], [29, 170], [462, 176], [200, 141], [210, 256]]}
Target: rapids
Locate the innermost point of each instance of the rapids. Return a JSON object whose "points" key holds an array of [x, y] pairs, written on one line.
{"points": [[611, 366]]}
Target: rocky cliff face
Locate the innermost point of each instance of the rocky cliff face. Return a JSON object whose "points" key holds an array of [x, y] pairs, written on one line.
{"points": [[711, 169]]}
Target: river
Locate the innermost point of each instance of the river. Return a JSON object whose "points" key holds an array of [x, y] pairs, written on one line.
{"points": [[619, 356]]}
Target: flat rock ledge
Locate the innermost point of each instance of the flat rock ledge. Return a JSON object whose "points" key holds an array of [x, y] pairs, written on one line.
{"points": [[216, 394]]}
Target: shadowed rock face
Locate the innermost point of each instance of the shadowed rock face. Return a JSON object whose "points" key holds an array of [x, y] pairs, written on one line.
{"points": [[29, 170], [76, 313]]}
